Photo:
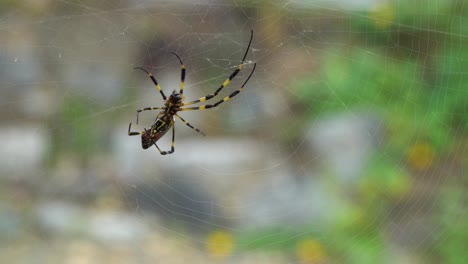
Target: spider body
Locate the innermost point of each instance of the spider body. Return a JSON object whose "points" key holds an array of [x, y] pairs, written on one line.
{"points": [[157, 131], [165, 120]]}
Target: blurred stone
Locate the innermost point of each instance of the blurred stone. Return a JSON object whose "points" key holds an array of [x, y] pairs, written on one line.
{"points": [[41, 103], [212, 156], [24, 63], [60, 217], [344, 143], [291, 197], [287, 202], [177, 201], [76, 179], [68, 219], [101, 83], [9, 222], [23, 148], [117, 227]]}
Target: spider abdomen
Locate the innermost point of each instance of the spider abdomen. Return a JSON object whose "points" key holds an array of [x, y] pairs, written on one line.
{"points": [[157, 131]]}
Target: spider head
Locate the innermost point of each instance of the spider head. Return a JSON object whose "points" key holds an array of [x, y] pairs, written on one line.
{"points": [[146, 140], [175, 97]]}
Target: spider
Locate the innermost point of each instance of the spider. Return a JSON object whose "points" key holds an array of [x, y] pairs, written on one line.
{"points": [[165, 120]]}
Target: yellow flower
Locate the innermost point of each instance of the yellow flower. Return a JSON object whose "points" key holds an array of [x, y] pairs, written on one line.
{"points": [[219, 244], [420, 156], [382, 14], [310, 251]]}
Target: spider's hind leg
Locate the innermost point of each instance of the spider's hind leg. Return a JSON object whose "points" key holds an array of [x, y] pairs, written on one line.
{"points": [[172, 143]]}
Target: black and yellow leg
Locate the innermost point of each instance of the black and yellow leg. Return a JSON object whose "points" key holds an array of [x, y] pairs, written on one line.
{"points": [[182, 73], [189, 125], [224, 99], [154, 81], [227, 81], [172, 143], [147, 109], [131, 133]]}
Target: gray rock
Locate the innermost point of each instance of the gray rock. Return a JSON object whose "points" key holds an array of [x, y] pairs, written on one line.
{"points": [[344, 143], [23, 148]]}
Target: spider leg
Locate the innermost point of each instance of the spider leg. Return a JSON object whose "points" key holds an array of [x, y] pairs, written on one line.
{"points": [[131, 133], [154, 81], [182, 73], [172, 144], [189, 125], [222, 100], [228, 80], [146, 109]]}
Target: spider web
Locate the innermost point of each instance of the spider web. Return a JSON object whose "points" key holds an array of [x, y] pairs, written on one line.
{"points": [[348, 144]]}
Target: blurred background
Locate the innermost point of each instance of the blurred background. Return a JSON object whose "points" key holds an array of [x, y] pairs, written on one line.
{"points": [[348, 144]]}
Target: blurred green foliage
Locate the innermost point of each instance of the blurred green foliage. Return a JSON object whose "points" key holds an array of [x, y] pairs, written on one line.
{"points": [[346, 244], [78, 135], [383, 180], [407, 62], [269, 239], [365, 79], [450, 92], [451, 219], [7, 5]]}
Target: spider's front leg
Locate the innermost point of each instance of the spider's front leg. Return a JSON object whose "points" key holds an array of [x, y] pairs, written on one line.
{"points": [[225, 99], [228, 80], [182, 74], [154, 81]]}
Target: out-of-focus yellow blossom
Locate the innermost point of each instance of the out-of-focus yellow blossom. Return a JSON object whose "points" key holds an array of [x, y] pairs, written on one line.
{"points": [[219, 244], [382, 14], [420, 156], [310, 251]]}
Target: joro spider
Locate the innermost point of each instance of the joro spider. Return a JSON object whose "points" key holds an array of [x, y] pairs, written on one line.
{"points": [[165, 119]]}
